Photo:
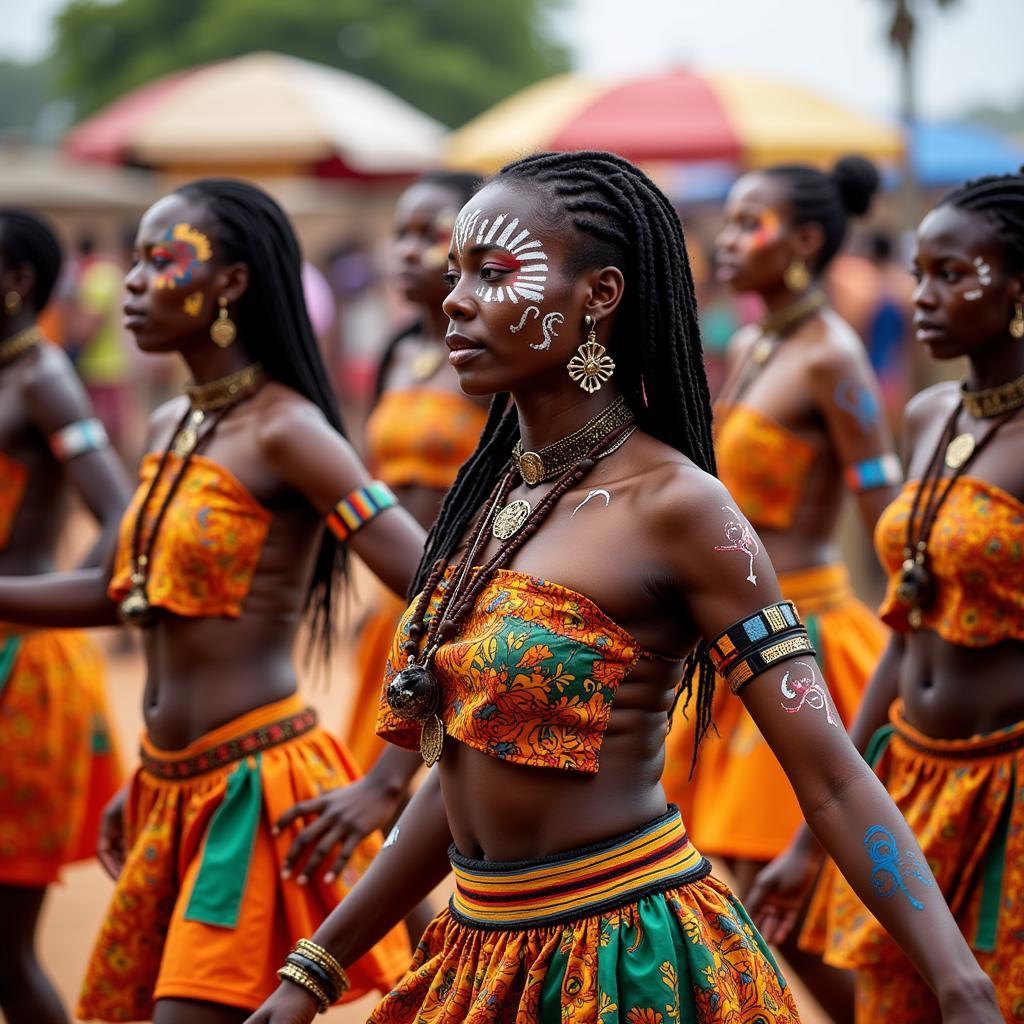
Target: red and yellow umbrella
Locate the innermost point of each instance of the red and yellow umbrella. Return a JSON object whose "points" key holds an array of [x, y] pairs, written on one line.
{"points": [[678, 116]]}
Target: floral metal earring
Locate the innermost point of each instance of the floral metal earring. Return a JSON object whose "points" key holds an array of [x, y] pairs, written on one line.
{"points": [[591, 367], [1017, 323], [223, 330], [796, 276]]}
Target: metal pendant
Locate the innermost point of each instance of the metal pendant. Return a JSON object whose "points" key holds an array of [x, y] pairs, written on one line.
{"points": [[510, 519], [959, 450], [414, 693], [914, 590], [763, 350], [135, 609], [188, 437], [431, 740], [531, 468]]}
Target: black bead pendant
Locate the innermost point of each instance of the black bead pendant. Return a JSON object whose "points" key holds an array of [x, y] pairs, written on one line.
{"points": [[414, 693], [915, 586]]}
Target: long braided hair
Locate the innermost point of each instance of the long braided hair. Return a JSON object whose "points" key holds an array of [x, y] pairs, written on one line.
{"points": [[274, 326], [624, 221], [1001, 199]]}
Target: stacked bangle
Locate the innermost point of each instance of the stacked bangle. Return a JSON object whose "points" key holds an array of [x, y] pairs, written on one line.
{"points": [[311, 967], [752, 645]]}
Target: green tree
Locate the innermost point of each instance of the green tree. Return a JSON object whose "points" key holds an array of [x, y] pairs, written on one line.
{"points": [[450, 58]]}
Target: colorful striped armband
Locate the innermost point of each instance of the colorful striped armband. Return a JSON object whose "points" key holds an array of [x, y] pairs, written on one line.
{"points": [[879, 471], [364, 504], [77, 439], [754, 644]]}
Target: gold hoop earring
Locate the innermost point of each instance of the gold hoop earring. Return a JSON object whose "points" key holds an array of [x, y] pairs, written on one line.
{"points": [[591, 367], [12, 302], [223, 330], [796, 276], [1017, 323]]}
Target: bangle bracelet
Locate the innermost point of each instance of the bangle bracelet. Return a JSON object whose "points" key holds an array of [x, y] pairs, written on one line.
{"points": [[322, 977], [305, 981], [322, 957]]}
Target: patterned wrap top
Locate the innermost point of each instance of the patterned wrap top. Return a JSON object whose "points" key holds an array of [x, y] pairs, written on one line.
{"points": [[13, 480], [209, 544], [763, 465], [529, 679], [976, 560], [421, 437]]}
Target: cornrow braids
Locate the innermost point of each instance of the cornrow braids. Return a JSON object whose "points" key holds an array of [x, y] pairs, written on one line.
{"points": [[1001, 199], [28, 239], [274, 326], [629, 224]]}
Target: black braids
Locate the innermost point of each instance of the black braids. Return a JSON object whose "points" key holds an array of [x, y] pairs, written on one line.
{"points": [[1001, 199], [274, 327], [26, 238]]}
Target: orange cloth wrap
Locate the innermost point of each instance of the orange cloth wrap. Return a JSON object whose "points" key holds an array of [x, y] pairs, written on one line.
{"points": [[421, 437], [742, 803], [208, 546], [13, 480], [964, 801], [763, 466], [58, 758], [149, 948], [976, 556]]}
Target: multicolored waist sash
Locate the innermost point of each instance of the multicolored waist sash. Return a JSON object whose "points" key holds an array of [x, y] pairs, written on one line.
{"points": [[577, 884], [225, 745]]}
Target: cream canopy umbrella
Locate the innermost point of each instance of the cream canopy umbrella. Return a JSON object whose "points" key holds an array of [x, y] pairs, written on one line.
{"points": [[263, 113]]}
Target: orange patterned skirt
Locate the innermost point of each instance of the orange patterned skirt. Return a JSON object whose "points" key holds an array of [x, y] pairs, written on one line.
{"points": [[964, 799], [632, 929], [58, 756], [200, 910], [743, 804]]}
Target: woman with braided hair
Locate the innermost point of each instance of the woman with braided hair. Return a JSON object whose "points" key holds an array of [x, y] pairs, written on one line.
{"points": [[585, 551], [221, 551], [943, 719]]}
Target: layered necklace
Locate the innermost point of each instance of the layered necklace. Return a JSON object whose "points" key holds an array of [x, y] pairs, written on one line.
{"points": [[414, 694], [915, 588], [217, 397], [12, 347]]}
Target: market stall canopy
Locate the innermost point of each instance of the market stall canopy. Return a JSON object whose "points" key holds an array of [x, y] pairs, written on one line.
{"points": [[676, 116], [263, 114], [947, 152]]}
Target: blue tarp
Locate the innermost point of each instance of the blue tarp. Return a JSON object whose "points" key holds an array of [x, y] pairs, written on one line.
{"points": [[948, 152]]}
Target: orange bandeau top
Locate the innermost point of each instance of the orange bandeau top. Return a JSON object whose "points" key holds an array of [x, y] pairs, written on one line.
{"points": [[419, 436], [976, 560], [209, 543], [13, 480], [763, 465], [530, 678]]}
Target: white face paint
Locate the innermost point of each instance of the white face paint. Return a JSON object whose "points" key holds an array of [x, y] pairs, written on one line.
{"points": [[547, 326], [984, 271], [974, 294], [599, 493], [526, 257]]}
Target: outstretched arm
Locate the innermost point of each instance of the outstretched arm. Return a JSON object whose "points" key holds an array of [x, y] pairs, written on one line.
{"points": [[843, 802], [412, 862]]}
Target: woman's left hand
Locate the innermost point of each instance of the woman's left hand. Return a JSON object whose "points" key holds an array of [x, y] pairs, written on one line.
{"points": [[289, 1004], [344, 817]]}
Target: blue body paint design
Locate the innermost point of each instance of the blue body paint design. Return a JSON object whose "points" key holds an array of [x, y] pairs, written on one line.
{"points": [[859, 402], [887, 875]]}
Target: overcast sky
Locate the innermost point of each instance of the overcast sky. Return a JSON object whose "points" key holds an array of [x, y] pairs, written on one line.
{"points": [[970, 55]]}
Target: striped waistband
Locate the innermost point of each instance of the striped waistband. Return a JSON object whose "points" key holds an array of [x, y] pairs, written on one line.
{"points": [[265, 727], [577, 884], [973, 748]]}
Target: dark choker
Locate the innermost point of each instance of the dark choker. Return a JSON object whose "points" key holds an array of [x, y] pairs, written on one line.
{"points": [[12, 347]]}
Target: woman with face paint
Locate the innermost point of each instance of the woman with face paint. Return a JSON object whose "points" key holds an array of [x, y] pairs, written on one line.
{"points": [[943, 719], [799, 417], [581, 564], [221, 550], [58, 760]]}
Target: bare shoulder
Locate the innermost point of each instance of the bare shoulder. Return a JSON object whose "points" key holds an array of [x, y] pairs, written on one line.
{"points": [[46, 368], [284, 418], [836, 352], [933, 403], [742, 341]]}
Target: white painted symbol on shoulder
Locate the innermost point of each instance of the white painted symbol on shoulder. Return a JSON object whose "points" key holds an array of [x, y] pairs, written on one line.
{"points": [[599, 493]]}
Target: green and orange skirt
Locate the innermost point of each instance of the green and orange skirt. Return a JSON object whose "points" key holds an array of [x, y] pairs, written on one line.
{"points": [[633, 929]]}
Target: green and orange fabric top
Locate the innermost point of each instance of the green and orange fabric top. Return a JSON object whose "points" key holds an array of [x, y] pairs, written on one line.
{"points": [[975, 558], [13, 480], [209, 542], [530, 678], [763, 465], [420, 437]]}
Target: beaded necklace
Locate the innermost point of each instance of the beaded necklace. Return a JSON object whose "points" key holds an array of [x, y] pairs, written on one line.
{"points": [[414, 694], [12, 347]]}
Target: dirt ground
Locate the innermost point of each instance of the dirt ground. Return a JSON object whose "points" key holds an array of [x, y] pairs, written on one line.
{"points": [[75, 907]]}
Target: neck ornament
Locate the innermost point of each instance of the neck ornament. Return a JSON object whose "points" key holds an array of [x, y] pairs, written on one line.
{"points": [[12, 347], [991, 402], [211, 397], [775, 326], [554, 459]]}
